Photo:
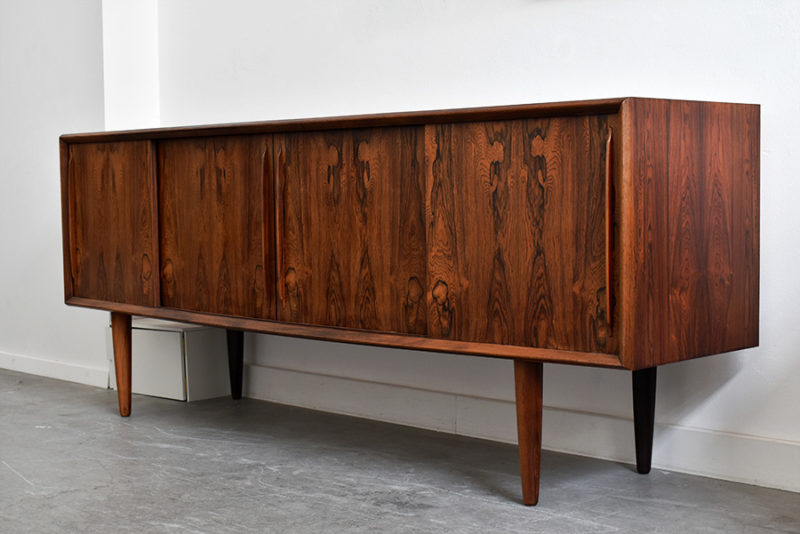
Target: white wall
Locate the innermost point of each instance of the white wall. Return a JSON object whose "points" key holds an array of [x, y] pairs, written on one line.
{"points": [[130, 64], [51, 82], [730, 416]]}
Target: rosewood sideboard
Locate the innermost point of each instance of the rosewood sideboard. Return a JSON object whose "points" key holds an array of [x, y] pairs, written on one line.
{"points": [[619, 233]]}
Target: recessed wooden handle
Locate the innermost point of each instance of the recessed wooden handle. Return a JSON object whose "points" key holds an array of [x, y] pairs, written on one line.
{"points": [[279, 163], [609, 226], [268, 230], [71, 203]]}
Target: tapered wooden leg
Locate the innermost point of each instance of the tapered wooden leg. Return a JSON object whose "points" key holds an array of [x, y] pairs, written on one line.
{"points": [[121, 336], [236, 361], [528, 385], [644, 408]]}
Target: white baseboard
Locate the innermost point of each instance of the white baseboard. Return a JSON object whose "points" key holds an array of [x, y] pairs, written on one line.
{"points": [[71, 372], [721, 455]]}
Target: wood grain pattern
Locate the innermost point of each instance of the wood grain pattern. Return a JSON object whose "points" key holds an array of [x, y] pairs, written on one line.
{"points": [[528, 390], [352, 240], [516, 232], [213, 252], [648, 251], [111, 241], [690, 242]]}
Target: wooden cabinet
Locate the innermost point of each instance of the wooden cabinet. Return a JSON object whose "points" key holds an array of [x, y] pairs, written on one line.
{"points": [[619, 233]]}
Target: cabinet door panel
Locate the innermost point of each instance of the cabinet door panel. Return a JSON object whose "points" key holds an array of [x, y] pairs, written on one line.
{"points": [[351, 232], [516, 232], [214, 242], [111, 222]]}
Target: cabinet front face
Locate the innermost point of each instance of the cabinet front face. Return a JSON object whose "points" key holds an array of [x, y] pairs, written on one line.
{"points": [[214, 234], [111, 219], [516, 232], [351, 235]]}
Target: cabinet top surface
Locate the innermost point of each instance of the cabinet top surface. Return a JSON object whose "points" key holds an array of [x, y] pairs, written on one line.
{"points": [[409, 118]]}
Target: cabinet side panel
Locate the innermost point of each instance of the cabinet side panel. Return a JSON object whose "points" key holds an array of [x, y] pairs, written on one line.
{"points": [[727, 286], [212, 200], [690, 236], [351, 229], [644, 234], [110, 211], [689, 240], [64, 156], [747, 233]]}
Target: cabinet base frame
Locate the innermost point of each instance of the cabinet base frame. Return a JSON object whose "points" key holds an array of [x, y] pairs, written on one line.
{"points": [[361, 337]]}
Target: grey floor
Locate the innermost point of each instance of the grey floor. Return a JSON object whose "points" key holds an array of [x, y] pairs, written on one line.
{"points": [[68, 463]]}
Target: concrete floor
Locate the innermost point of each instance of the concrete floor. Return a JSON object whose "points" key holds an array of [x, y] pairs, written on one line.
{"points": [[68, 463]]}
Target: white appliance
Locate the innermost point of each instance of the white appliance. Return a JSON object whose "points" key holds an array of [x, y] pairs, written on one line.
{"points": [[175, 360]]}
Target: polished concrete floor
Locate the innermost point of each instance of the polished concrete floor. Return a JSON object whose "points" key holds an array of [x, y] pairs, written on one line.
{"points": [[68, 463]]}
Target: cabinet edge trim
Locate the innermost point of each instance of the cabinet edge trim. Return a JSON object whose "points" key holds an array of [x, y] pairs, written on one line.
{"points": [[383, 339]]}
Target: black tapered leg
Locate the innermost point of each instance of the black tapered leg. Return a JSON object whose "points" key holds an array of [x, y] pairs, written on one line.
{"points": [[644, 409], [235, 361]]}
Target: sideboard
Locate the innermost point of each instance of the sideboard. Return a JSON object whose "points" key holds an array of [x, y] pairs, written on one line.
{"points": [[620, 233]]}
